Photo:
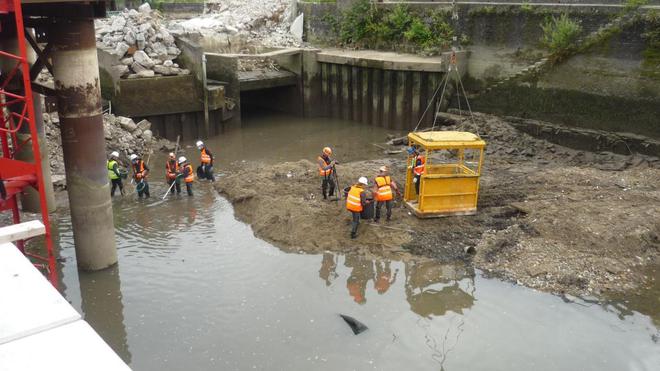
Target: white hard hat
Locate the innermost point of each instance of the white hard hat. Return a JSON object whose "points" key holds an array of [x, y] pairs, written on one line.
{"points": [[133, 156], [199, 144], [182, 159], [114, 154], [383, 169], [363, 180]]}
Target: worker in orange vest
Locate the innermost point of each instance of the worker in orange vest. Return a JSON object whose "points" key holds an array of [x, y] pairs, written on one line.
{"points": [[205, 170], [383, 187], [356, 199], [172, 172], [140, 173], [188, 174], [326, 168], [418, 166]]}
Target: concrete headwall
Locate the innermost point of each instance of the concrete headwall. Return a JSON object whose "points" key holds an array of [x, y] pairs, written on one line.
{"points": [[381, 89]]}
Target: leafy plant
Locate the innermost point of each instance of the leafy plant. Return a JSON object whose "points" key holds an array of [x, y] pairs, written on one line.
{"points": [[526, 6], [634, 4], [560, 33]]}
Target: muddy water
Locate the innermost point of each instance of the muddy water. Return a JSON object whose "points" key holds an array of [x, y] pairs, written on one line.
{"points": [[194, 289]]}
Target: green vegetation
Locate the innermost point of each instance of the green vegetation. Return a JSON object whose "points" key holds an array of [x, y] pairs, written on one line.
{"points": [[651, 62], [365, 25], [560, 34], [634, 4], [526, 6]]}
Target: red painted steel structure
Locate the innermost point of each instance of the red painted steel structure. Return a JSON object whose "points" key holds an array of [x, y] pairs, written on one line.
{"points": [[16, 174]]}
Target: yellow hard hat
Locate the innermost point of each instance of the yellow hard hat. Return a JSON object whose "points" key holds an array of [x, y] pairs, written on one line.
{"points": [[327, 150]]}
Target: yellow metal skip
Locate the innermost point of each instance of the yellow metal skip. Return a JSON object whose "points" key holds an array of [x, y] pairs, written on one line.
{"points": [[450, 183]]}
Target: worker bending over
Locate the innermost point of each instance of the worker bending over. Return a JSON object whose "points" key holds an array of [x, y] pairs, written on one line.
{"points": [[356, 200], [205, 170], [172, 173], [140, 174], [326, 171], [188, 174], [383, 188], [114, 174], [418, 165]]}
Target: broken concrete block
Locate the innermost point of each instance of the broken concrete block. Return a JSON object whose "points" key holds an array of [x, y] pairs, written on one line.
{"points": [[297, 27], [142, 58], [127, 61], [146, 73], [144, 125], [145, 8], [127, 123]]}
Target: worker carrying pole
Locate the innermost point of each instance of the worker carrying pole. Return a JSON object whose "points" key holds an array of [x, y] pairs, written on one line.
{"points": [[326, 167], [383, 187], [356, 200], [171, 172]]}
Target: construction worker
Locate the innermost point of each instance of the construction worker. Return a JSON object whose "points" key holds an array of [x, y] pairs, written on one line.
{"points": [[356, 199], [114, 174], [188, 174], [383, 189], [140, 174], [172, 172], [205, 170], [418, 165], [326, 168]]}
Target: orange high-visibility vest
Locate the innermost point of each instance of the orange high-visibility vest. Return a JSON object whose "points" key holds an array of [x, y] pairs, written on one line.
{"points": [[419, 169], [171, 169], [205, 158], [353, 201], [384, 189], [324, 173], [191, 174], [138, 170]]}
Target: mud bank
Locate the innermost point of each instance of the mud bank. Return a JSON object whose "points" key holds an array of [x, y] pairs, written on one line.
{"points": [[550, 217]]}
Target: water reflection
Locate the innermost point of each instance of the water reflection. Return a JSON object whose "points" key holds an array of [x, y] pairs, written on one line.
{"points": [[431, 289], [435, 289], [103, 308]]}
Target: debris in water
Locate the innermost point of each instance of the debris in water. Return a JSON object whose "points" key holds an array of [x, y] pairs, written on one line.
{"points": [[355, 325]]}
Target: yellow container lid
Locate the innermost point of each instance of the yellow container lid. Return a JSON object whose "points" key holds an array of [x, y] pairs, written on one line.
{"points": [[446, 139]]}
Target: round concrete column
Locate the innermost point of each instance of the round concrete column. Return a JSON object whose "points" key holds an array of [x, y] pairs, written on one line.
{"points": [[76, 73]]}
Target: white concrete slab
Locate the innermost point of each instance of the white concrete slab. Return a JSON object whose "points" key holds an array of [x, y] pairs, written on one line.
{"points": [[29, 303], [71, 347], [21, 231]]}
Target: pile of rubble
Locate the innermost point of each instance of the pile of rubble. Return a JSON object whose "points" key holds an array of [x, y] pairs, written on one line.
{"points": [[257, 22], [144, 47], [257, 64], [122, 134]]}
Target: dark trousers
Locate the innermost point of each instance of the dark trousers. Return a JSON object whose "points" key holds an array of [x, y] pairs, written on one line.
{"points": [[142, 189], [177, 186], [116, 183], [418, 177], [207, 171], [328, 182], [355, 223], [388, 208], [189, 188]]}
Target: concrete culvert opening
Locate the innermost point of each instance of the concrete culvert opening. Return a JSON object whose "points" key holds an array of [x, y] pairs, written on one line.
{"points": [[282, 99]]}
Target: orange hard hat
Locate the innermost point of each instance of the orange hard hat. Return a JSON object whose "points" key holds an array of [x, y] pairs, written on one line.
{"points": [[327, 150]]}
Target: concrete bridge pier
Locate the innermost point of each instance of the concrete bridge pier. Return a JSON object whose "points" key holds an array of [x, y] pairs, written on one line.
{"points": [[78, 90]]}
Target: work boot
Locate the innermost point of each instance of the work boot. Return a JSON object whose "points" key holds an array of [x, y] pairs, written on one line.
{"points": [[376, 220], [353, 235], [388, 218]]}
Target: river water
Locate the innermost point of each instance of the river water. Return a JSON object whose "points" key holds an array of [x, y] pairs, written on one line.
{"points": [[194, 289]]}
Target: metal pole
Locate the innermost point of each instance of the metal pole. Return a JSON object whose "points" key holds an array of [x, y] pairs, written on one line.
{"points": [[77, 85], [207, 124]]}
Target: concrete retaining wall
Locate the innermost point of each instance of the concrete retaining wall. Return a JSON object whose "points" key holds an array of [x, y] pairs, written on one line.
{"points": [[615, 86]]}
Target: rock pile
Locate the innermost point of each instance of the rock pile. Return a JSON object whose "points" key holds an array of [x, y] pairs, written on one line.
{"points": [[122, 134], [264, 23], [144, 47]]}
